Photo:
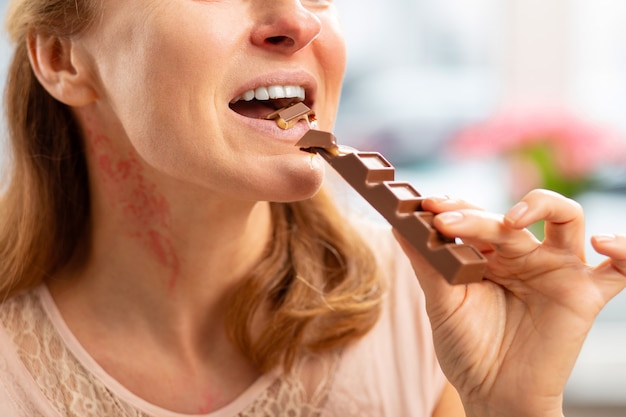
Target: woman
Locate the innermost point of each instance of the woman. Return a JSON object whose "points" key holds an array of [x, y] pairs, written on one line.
{"points": [[166, 251]]}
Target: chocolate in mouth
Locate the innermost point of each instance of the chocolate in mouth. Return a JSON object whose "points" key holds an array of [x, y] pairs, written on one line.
{"points": [[288, 117], [259, 109]]}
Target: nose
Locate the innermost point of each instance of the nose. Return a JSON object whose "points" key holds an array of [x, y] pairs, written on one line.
{"points": [[285, 26]]}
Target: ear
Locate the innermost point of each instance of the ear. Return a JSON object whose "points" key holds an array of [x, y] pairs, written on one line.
{"points": [[57, 66]]}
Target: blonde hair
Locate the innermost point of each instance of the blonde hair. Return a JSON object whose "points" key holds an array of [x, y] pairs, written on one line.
{"points": [[318, 284], [44, 211], [320, 281]]}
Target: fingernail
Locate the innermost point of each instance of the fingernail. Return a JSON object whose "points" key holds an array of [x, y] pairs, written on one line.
{"points": [[450, 217], [438, 198], [517, 211], [605, 237]]}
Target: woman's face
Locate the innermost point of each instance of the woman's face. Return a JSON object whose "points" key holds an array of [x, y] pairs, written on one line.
{"points": [[173, 76]]}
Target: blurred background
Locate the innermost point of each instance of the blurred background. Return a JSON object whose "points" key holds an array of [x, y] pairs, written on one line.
{"points": [[486, 99]]}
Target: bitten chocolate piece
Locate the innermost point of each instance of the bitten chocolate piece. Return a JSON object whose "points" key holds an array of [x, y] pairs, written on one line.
{"points": [[317, 139], [288, 116], [372, 176]]}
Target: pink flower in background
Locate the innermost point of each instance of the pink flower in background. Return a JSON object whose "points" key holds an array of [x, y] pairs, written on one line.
{"points": [[547, 149]]}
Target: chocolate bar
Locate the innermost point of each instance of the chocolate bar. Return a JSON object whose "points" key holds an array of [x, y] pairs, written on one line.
{"points": [[372, 176], [288, 116]]}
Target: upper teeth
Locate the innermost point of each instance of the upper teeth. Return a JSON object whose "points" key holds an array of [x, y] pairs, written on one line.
{"points": [[272, 91]]}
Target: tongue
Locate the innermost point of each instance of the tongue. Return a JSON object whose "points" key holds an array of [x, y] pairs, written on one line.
{"points": [[254, 109]]}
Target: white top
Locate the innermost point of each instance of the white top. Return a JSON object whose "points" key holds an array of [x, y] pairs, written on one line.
{"points": [[392, 371]]}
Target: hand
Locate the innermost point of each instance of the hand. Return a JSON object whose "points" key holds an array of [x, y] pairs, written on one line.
{"points": [[508, 344]]}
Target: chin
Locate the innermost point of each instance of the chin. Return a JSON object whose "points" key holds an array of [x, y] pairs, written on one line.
{"points": [[298, 188], [300, 181], [300, 192]]}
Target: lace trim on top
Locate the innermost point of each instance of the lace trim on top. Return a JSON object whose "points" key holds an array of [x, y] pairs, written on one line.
{"points": [[77, 387]]}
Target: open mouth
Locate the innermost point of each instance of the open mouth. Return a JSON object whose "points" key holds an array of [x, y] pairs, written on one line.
{"points": [[261, 101]]}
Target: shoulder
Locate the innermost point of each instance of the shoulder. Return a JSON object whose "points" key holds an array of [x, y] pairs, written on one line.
{"points": [[395, 365], [21, 309], [19, 395], [405, 304], [378, 237], [392, 261]]}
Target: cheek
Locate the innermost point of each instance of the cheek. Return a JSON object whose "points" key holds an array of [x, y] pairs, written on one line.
{"points": [[161, 114], [331, 57], [333, 46]]}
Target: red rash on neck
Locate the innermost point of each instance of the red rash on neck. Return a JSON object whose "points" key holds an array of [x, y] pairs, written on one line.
{"points": [[145, 209]]}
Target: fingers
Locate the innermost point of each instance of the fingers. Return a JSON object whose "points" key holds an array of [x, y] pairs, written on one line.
{"points": [[613, 246], [445, 204], [612, 272], [564, 220], [481, 226], [440, 204]]}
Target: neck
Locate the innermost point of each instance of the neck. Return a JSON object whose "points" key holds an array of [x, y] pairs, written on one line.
{"points": [[146, 295], [165, 251], [151, 295]]}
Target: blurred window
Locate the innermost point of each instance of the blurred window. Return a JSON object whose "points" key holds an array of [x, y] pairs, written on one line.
{"points": [[417, 69], [599, 60]]}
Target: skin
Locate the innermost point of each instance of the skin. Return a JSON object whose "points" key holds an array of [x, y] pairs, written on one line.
{"points": [[509, 344], [180, 181], [180, 188]]}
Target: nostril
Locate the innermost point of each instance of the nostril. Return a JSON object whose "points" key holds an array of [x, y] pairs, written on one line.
{"points": [[280, 40]]}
